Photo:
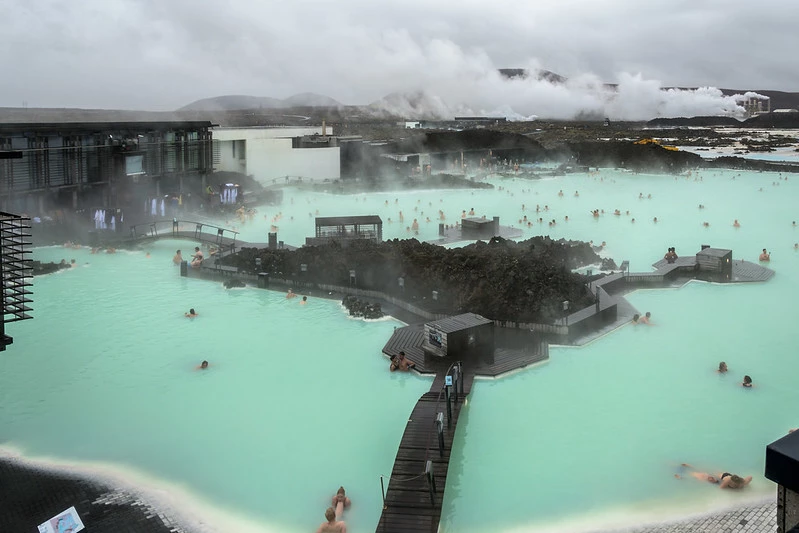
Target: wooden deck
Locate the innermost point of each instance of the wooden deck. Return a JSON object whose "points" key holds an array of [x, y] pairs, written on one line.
{"points": [[409, 506], [518, 349], [454, 234]]}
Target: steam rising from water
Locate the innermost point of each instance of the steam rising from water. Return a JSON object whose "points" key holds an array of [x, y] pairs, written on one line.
{"points": [[441, 80]]}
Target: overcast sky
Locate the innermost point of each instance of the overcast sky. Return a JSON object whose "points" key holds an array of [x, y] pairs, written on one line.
{"points": [[163, 54]]}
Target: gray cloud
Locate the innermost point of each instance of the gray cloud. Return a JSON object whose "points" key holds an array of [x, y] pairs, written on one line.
{"points": [[156, 55]]}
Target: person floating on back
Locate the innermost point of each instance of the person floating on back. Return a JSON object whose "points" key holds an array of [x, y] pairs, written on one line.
{"points": [[332, 525]]}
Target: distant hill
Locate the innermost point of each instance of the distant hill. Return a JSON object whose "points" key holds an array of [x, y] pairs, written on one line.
{"points": [[236, 102]]}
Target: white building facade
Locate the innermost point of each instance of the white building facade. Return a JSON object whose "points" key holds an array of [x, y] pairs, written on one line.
{"points": [[269, 153]]}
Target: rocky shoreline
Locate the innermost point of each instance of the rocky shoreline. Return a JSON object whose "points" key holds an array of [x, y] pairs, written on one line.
{"points": [[503, 280]]}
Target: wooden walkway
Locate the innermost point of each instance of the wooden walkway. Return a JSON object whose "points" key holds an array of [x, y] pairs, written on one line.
{"points": [[412, 503], [520, 349], [454, 234]]}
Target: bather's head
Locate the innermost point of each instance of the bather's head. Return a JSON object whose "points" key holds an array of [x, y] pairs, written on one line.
{"points": [[330, 514], [722, 366], [341, 491], [192, 312], [204, 364]]}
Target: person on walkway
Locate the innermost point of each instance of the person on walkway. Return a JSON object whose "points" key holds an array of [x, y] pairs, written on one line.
{"points": [[332, 525], [340, 502]]}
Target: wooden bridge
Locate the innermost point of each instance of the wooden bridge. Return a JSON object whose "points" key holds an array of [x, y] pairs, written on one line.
{"points": [[222, 238], [416, 486]]}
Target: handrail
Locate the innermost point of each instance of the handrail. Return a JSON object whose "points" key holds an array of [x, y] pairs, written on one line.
{"points": [[174, 224]]}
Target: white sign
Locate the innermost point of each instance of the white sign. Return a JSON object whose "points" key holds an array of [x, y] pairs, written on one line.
{"points": [[65, 522]]}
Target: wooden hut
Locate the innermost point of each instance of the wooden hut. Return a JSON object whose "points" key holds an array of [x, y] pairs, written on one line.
{"points": [[459, 336], [717, 262]]}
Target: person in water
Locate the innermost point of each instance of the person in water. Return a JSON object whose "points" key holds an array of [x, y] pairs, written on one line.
{"points": [[203, 365], [722, 368], [178, 259], [197, 258], [304, 300], [765, 256], [724, 480], [290, 294], [636, 318], [192, 313], [332, 525], [747, 382], [340, 502], [645, 319], [401, 363]]}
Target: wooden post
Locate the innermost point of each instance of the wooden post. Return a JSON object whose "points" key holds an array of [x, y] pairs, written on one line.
{"points": [[440, 430], [431, 481]]}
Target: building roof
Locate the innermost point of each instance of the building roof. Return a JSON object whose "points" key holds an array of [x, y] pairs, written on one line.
{"points": [[459, 322], [94, 127], [341, 221], [478, 220], [714, 252]]}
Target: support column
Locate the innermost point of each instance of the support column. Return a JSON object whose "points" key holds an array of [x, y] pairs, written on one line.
{"points": [[74, 199]]}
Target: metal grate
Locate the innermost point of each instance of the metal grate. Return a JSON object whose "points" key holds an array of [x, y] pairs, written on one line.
{"points": [[15, 270]]}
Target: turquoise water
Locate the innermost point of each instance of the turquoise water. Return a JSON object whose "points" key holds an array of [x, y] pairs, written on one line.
{"points": [[591, 437], [297, 401]]}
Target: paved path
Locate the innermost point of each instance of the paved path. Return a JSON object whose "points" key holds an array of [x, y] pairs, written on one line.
{"points": [[754, 518]]}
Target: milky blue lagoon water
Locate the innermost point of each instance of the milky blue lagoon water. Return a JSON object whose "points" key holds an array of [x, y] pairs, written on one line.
{"points": [[298, 399]]}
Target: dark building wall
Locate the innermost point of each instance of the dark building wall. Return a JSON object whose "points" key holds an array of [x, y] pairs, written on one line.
{"points": [[79, 157]]}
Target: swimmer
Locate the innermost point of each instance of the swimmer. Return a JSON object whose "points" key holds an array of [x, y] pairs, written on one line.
{"points": [[645, 319], [636, 318], [332, 525], [747, 382], [724, 480], [111, 251], [72, 263], [203, 365], [290, 294], [192, 313], [340, 502], [304, 300], [655, 220], [178, 259], [401, 363], [147, 255], [765, 256], [722, 368], [736, 224]]}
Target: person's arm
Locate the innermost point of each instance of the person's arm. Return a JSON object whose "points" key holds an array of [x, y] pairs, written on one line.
{"points": [[725, 483], [747, 480]]}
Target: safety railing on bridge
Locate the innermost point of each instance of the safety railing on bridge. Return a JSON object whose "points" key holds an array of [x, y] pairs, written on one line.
{"points": [[174, 228]]}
